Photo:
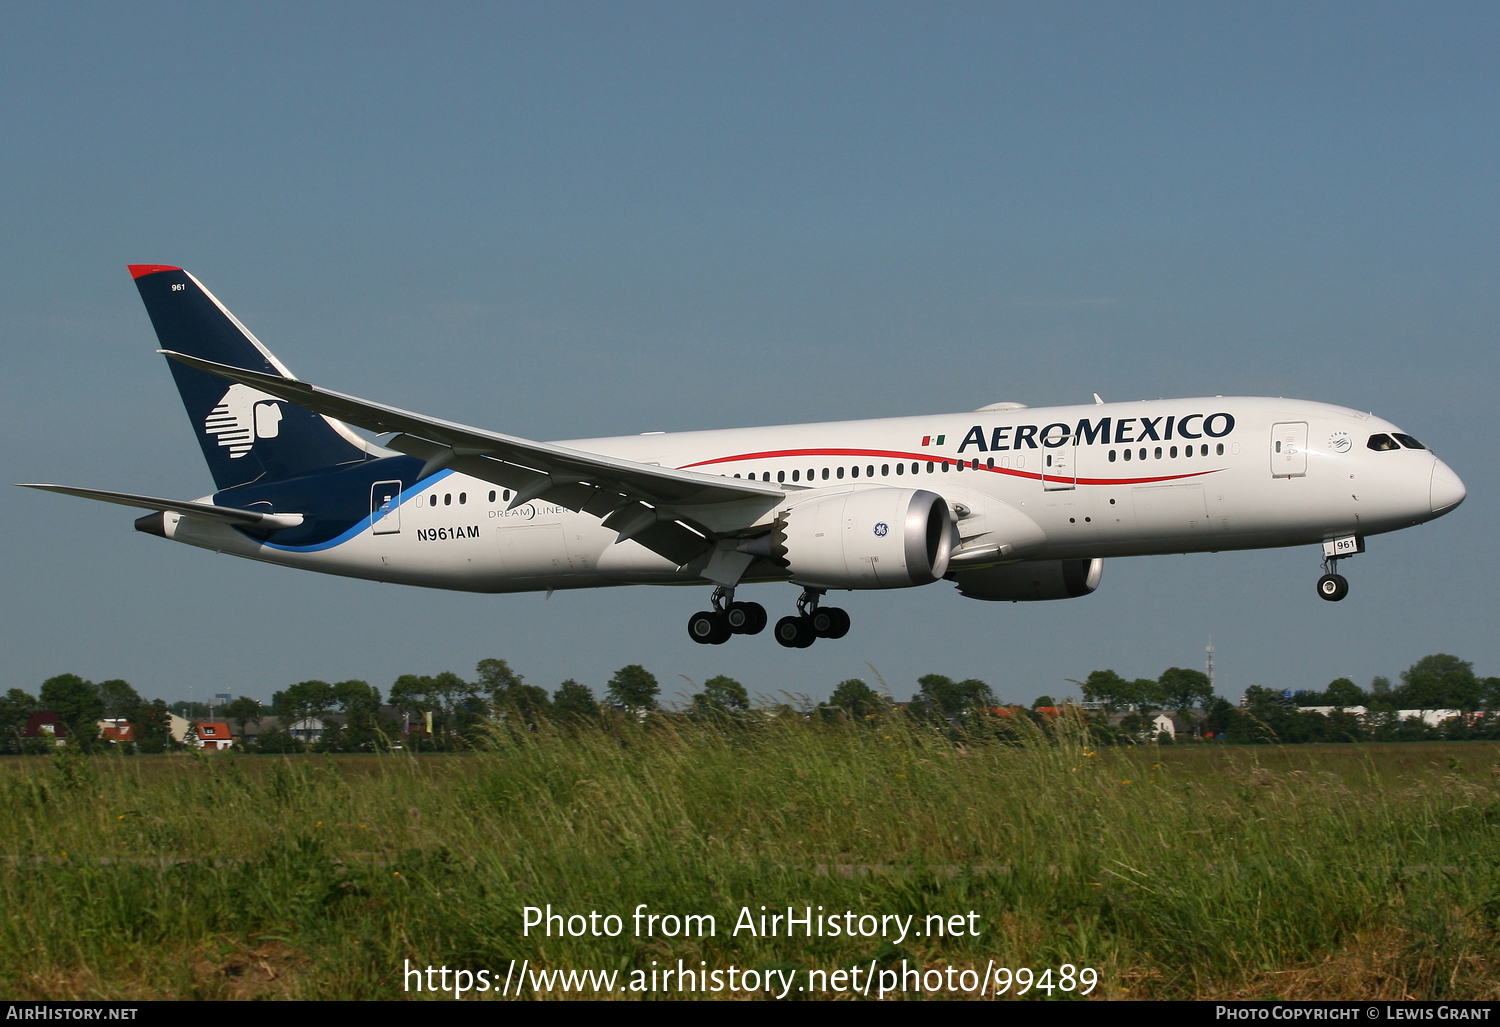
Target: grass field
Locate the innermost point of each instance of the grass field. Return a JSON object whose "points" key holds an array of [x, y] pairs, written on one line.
{"points": [[1178, 872]]}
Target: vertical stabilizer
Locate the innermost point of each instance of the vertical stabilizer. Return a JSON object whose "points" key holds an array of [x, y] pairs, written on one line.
{"points": [[246, 435]]}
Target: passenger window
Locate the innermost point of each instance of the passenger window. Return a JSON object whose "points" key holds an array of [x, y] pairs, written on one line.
{"points": [[990, 464], [463, 497], [1407, 441], [1204, 450], [1143, 452], [1219, 449], [447, 499], [825, 474], [945, 467], [434, 500], [1174, 452], [1127, 455], [929, 467], [1111, 456], [839, 472], [900, 468], [810, 475], [780, 476], [492, 495], [736, 475], [1158, 452], [506, 497], [870, 471], [796, 475], [854, 471], [885, 469]]}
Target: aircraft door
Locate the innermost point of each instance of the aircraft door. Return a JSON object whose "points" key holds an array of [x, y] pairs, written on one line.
{"points": [[1059, 467], [1289, 449], [385, 507]]}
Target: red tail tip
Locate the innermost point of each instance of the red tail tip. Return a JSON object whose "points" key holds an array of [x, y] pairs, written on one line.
{"points": [[141, 270]]}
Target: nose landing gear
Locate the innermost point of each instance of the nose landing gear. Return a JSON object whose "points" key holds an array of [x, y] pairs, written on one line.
{"points": [[1332, 586]]}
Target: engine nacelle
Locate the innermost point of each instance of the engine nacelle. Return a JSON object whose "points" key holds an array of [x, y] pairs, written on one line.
{"points": [[866, 538], [1032, 580]]}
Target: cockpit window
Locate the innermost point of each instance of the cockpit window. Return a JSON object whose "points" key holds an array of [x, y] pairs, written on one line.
{"points": [[1407, 441], [1382, 443]]}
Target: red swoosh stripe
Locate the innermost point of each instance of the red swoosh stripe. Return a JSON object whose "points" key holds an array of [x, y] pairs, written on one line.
{"points": [[776, 454]]}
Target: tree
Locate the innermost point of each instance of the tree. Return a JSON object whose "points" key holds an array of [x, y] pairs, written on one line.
{"points": [[119, 698], [496, 677], [303, 700], [722, 693], [1043, 700], [1108, 688], [1491, 693], [633, 687], [857, 699], [16, 707], [1183, 689], [242, 711], [1342, 692], [949, 697], [1440, 682], [152, 727], [574, 701], [76, 703]]}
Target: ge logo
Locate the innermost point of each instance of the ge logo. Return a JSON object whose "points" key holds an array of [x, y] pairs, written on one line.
{"points": [[881, 529]]}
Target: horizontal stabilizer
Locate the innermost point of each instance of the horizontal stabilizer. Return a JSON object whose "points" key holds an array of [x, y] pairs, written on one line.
{"points": [[228, 514]]}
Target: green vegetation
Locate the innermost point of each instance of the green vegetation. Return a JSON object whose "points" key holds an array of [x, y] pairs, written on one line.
{"points": [[1202, 872]]}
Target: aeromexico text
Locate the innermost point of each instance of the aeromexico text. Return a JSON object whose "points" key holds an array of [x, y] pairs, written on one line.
{"points": [[1102, 431]]}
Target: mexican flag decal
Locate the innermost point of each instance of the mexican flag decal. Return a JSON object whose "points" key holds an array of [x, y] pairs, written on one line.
{"points": [[927, 440]]}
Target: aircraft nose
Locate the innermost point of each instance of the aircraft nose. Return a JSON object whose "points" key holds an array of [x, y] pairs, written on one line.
{"points": [[1447, 490]]}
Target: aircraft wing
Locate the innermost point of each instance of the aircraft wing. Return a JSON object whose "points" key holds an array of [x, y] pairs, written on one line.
{"points": [[228, 514], [676, 513]]}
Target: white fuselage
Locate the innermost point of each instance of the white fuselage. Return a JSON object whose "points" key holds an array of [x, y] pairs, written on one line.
{"points": [[1117, 479]]}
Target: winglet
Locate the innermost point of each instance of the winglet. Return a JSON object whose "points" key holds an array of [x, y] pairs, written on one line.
{"points": [[142, 270]]}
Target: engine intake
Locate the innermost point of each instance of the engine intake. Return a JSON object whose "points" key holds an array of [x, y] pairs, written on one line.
{"points": [[866, 538]]}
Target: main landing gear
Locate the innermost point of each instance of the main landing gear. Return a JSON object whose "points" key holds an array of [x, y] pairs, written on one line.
{"points": [[812, 622], [713, 627]]}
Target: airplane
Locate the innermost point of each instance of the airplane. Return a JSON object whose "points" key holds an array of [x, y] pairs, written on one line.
{"points": [[1007, 502]]}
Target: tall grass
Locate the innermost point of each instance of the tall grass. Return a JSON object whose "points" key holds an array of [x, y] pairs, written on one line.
{"points": [[1345, 871]]}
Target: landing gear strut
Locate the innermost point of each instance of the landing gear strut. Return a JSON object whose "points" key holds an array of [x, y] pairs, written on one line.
{"points": [[713, 627], [812, 622]]}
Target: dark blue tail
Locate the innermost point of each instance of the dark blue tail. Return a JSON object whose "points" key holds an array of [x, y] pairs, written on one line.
{"points": [[246, 435]]}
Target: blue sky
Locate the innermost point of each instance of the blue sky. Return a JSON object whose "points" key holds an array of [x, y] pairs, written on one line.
{"points": [[563, 220]]}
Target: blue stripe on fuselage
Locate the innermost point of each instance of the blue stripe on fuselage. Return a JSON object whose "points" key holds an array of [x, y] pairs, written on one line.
{"points": [[361, 526]]}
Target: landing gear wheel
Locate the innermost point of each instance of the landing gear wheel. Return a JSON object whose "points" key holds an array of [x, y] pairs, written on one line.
{"points": [[830, 622], [1333, 587], [746, 618], [708, 628], [795, 632]]}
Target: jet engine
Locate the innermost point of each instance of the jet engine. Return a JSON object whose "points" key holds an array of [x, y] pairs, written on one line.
{"points": [[865, 538], [1032, 580]]}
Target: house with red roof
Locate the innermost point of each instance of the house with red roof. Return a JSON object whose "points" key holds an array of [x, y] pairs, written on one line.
{"points": [[214, 734]]}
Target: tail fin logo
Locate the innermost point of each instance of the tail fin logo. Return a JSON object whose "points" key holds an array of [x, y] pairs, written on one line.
{"points": [[241, 416]]}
